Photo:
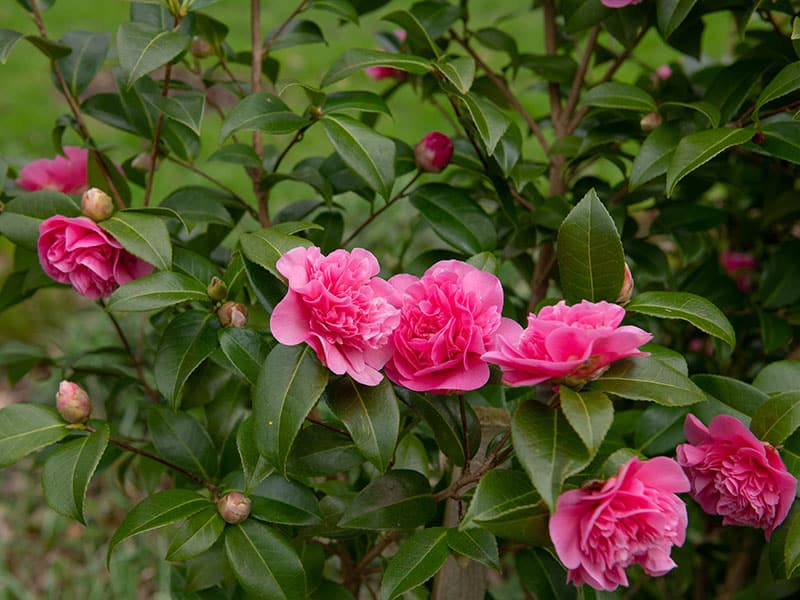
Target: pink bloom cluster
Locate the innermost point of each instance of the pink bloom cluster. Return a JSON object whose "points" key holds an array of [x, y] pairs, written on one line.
{"points": [[736, 475], [68, 175], [566, 343], [75, 250], [633, 518]]}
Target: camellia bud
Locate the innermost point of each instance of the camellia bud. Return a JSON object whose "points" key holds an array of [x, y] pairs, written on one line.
{"points": [[650, 121], [232, 314], [217, 290], [377, 73], [626, 291], [73, 402], [97, 205], [433, 152], [142, 162], [234, 507], [200, 47]]}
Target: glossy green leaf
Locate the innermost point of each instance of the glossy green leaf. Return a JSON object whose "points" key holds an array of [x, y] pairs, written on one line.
{"points": [[246, 350], [418, 559], [196, 535], [785, 82], [590, 256], [734, 84], [157, 510], [68, 471], [695, 309], [186, 108], [400, 499], [318, 451], [28, 427], [780, 376], [289, 385], [490, 122], [781, 140], [416, 35], [254, 466], [543, 576], [791, 547], [460, 71], [295, 33], [623, 96], [52, 50], [369, 154], [265, 246], [456, 217], [659, 429], [142, 235], [262, 111], [264, 562], [279, 500], [708, 110], [237, 154], [732, 392], [21, 217], [89, 51], [199, 205], [671, 13], [778, 286], [443, 416], [475, 543], [355, 100], [183, 441], [357, 60], [777, 417], [371, 415], [654, 156], [142, 49], [696, 149], [186, 342], [340, 8], [649, 379], [547, 447], [589, 413], [8, 38], [157, 291]]}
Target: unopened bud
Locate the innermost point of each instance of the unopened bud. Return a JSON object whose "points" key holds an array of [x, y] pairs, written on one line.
{"points": [[97, 205], [758, 138], [433, 152], [379, 73], [217, 290], [664, 72], [626, 291], [200, 47], [142, 162], [650, 121], [232, 314], [73, 402], [234, 507]]}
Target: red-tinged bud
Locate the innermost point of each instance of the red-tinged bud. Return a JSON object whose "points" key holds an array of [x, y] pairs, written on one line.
{"points": [[73, 402], [758, 138], [234, 507], [217, 290], [650, 121], [626, 291], [379, 73], [200, 47], [433, 152], [232, 314], [97, 205]]}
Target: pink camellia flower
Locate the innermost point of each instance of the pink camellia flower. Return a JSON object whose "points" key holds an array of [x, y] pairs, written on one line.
{"points": [[448, 319], [433, 152], [736, 475], [337, 306], [379, 73], [633, 518], [741, 266], [68, 175], [571, 344], [75, 250], [619, 3]]}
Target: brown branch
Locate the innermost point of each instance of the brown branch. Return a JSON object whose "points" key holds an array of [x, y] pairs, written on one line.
{"points": [[276, 34], [580, 75], [377, 550], [255, 87], [225, 67], [316, 421], [296, 138], [550, 46], [494, 458], [151, 168]]}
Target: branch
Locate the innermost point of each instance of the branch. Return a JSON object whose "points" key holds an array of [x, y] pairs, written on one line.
{"points": [[151, 168], [550, 47], [580, 75], [496, 457], [225, 67], [297, 137], [377, 550], [276, 34], [255, 87]]}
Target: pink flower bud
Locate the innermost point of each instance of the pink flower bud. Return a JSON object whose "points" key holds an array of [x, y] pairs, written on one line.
{"points": [[73, 402], [379, 73], [433, 152], [217, 290], [664, 72], [626, 291], [232, 314], [650, 121], [234, 507], [97, 205], [142, 162]]}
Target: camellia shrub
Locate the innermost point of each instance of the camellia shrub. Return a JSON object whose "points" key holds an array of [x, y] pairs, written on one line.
{"points": [[563, 366]]}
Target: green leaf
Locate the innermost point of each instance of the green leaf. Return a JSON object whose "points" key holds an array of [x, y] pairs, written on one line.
{"points": [[157, 510], [265, 246], [708, 110], [318, 451], [785, 82], [698, 148], [198, 205], [416, 34], [289, 385], [157, 291], [490, 122], [237, 154], [68, 470], [623, 96], [418, 559], [781, 376], [296, 33], [778, 286], [21, 217], [659, 429], [52, 50], [142, 49], [443, 416], [548, 448], [254, 466], [543, 576], [460, 71], [355, 100], [262, 111], [368, 154], [734, 84], [196, 535], [590, 414], [186, 342], [791, 547], [671, 13], [781, 140], [89, 51], [341, 8], [186, 108], [698, 311], [279, 500], [455, 217], [357, 60], [655, 154], [649, 379], [142, 235], [475, 543], [371, 415], [183, 441], [8, 38], [246, 350], [777, 418], [28, 427], [265, 563], [731, 392], [400, 499], [590, 255]]}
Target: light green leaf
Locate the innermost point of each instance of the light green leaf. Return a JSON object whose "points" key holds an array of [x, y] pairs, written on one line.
{"points": [[785, 82], [280, 500], [183, 441], [265, 246], [28, 427], [590, 414], [355, 100], [142, 235], [8, 38], [654, 156], [731, 392], [245, 349], [416, 34], [196, 535], [21, 217], [777, 417], [157, 291], [262, 111], [418, 559], [142, 49], [622, 96], [254, 466], [89, 51], [489, 120], [780, 376], [460, 71], [357, 60]]}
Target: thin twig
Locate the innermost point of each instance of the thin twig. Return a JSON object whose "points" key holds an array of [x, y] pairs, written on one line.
{"points": [[151, 167], [296, 138], [235, 80], [276, 34], [316, 421], [255, 87], [496, 457], [377, 550], [580, 75], [550, 47]]}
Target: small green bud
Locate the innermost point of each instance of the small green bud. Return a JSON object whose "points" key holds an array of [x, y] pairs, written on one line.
{"points": [[217, 290]]}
